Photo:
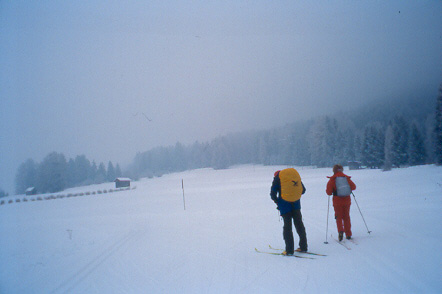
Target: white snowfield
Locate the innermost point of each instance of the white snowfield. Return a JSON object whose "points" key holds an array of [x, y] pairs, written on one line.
{"points": [[143, 241]]}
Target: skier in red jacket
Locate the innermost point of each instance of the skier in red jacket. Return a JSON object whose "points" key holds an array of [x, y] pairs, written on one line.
{"points": [[341, 186]]}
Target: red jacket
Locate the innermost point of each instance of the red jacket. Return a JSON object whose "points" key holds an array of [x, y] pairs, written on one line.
{"points": [[331, 185]]}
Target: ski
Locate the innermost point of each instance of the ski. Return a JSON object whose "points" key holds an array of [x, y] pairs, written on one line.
{"points": [[341, 243], [280, 253], [308, 252], [353, 241]]}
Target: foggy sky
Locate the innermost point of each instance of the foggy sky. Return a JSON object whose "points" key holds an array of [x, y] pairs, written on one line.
{"points": [[79, 77]]}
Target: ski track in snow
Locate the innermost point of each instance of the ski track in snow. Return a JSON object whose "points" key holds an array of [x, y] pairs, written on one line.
{"points": [[384, 268], [84, 272]]}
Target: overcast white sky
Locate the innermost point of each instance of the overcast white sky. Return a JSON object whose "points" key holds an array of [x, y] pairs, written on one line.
{"points": [[75, 77]]}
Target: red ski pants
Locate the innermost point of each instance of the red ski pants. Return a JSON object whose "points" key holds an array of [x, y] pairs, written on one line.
{"points": [[342, 214]]}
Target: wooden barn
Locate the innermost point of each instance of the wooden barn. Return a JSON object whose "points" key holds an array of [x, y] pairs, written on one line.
{"points": [[122, 182], [354, 165], [31, 191]]}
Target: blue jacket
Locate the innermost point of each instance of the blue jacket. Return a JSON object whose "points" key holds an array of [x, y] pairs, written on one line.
{"points": [[283, 205]]}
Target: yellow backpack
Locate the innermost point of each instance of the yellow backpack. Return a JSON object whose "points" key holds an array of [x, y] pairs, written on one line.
{"points": [[291, 186]]}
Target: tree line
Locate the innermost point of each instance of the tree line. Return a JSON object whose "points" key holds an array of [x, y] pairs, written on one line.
{"points": [[55, 173], [386, 135], [389, 135]]}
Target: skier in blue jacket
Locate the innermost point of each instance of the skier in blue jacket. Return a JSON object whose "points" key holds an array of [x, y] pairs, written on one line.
{"points": [[286, 192]]}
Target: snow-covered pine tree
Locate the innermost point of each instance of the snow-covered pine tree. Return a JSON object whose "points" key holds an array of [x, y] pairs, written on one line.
{"points": [[388, 148], [82, 169], [379, 146], [367, 147], [110, 175], [322, 141], [429, 139], [438, 128], [26, 176], [332, 141], [317, 146], [70, 174], [400, 141], [52, 173], [301, 154], [92, 172], [416, 148], [340, 147], [197, 156], [221, 156], [101, 174], [357, 146], [349, 145], [118, 172], [180, 158], [373, 147]]}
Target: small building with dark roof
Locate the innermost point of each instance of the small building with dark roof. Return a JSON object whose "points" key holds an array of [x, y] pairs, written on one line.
{"points": [[31, 191], [354, 165], [122, 182]]}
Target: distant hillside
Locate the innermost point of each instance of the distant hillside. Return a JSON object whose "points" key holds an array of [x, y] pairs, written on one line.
{"points": [[364, 134]]}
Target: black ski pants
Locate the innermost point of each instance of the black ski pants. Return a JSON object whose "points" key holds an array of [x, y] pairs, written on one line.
{"points": [[296, 216]]}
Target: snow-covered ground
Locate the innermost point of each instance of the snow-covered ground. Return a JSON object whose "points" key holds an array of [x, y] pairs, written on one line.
{"points": [[143, 241]]}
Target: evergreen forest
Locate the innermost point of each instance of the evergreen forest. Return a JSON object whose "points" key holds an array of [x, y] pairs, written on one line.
{"points": [[387, 134]]}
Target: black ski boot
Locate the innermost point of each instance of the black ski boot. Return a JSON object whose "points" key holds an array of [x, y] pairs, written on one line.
{"points": [[341, 236]]}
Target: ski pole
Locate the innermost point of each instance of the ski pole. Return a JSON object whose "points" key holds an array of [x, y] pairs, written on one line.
{"points": [[368, 231], [326, 230], [184, 199]]}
